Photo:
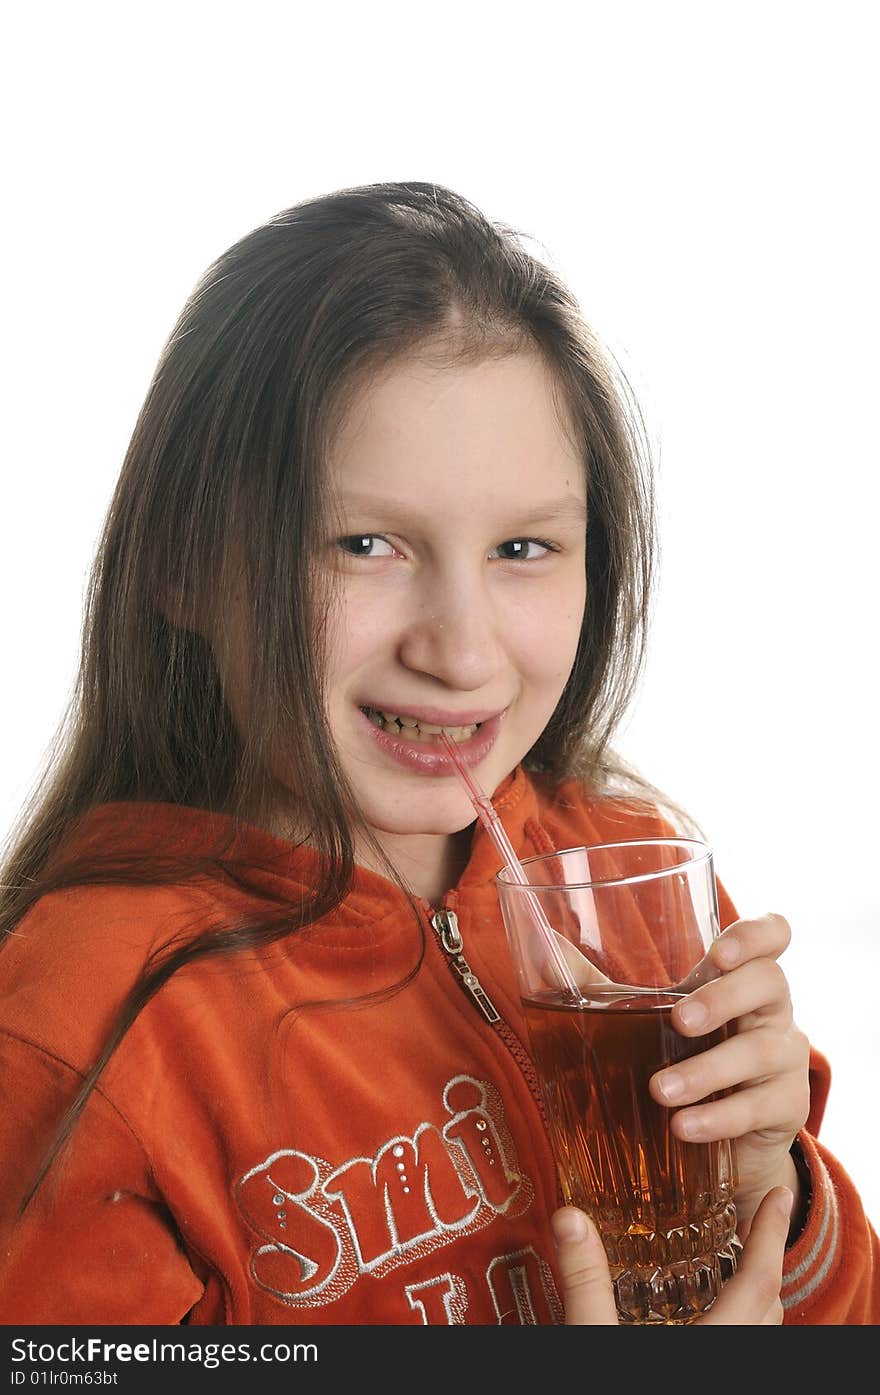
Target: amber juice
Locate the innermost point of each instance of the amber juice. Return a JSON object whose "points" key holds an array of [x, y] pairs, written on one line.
{"points": [[664, 1207]]}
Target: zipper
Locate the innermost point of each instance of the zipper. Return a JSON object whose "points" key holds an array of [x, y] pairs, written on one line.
{"points": [[445, 926]]}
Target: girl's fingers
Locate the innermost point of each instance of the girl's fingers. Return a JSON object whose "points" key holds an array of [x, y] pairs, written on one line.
{"points": [[583, 1268], [776, 1107], [752, 1295], [764, 938], [747, 1057], [759, 988]]}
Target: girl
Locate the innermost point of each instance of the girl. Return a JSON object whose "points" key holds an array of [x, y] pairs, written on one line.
{"points": [[384, 483]]}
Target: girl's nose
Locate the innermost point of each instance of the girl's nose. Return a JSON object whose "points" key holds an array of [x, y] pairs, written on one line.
{"points": [[454, 635]]}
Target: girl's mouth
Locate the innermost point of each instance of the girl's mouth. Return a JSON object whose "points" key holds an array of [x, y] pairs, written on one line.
{"points": [[411, 729], [415, 745]]}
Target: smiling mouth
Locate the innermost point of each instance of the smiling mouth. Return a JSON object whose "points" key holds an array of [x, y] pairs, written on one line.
{"points": [[411, 729]]}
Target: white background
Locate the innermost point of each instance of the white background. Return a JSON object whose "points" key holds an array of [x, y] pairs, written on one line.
{"points": [[703, 175]]}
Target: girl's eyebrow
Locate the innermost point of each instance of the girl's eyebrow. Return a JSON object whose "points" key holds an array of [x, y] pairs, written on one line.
{"points": [[567, 509]]}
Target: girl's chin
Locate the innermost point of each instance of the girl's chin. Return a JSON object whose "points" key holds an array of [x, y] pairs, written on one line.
{"points": [[435, 817], [407, 827]]}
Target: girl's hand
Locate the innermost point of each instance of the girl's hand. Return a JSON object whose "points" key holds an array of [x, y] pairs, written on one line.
{"points": [[750, 1297], [764, 1063]]}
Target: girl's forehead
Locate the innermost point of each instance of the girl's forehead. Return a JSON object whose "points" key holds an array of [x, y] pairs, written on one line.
{"points": [[502, 417]]}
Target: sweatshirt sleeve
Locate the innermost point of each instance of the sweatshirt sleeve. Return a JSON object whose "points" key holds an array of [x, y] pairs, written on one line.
{"points": [[96, 1244], [831, 1273]]}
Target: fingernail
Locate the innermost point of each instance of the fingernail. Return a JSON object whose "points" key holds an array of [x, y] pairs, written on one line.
{"points": [[569, 1224], [671, 1085], [693, 1014], [785, 1200], [690, 1125]]}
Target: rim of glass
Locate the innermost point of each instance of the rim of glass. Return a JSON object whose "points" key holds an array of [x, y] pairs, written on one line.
{"points": [[704, 855]]}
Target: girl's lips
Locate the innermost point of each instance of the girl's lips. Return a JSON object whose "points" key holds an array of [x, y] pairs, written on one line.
{"points": [[430, 757]]}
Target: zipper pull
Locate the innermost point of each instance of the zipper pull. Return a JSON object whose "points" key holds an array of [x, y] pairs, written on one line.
{"points": [[445, 923]]}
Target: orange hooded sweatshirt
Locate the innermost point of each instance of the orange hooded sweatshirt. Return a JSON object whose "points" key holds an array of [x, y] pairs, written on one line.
{"points": [[281, 1138]]}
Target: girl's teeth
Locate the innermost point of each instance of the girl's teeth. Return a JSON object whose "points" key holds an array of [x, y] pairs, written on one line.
{"points": [[412, 730]]}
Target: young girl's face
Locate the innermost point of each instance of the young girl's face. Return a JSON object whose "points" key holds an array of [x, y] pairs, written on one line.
{"points": [[460, 563]]}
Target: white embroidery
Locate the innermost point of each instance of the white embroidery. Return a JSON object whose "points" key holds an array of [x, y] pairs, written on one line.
{"points": [[279, 1267], [513, 1292], [451, 1292], [369, 1215]]}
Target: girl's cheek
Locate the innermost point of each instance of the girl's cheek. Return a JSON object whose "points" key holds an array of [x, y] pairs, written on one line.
{"points": [[547, 634]]}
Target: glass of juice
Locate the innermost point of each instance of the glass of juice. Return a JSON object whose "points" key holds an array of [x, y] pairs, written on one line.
{"points": [[633, 921]]}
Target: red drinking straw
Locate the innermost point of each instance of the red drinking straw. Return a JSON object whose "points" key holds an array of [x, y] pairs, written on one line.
{"points": [[494, 827]]}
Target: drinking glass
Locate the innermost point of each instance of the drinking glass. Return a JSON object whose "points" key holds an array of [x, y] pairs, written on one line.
{"points": [[633, 921]]}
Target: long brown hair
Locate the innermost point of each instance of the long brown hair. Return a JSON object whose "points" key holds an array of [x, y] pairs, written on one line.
{"points": [[230, 444]]}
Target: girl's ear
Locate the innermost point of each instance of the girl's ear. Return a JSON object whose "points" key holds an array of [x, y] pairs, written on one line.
{"points": [[196, 604], [213, 606], [183, 613]]}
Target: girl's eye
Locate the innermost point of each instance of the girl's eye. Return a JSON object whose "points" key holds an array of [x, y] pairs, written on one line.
{"points": [[513, 550], [517, 549], [364, 545]]}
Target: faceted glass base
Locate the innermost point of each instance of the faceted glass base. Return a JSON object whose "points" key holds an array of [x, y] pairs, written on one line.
{"points": [[677, 1293]]}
